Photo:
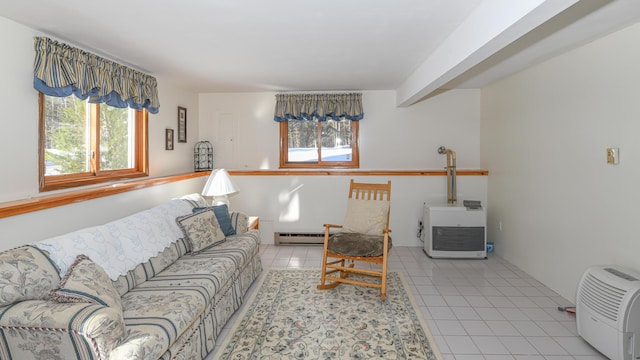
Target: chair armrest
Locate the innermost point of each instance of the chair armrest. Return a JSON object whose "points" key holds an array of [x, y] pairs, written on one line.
{"points": [[69, 330], [331, 226]]}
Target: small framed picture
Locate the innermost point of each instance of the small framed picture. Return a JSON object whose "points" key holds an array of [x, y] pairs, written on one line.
{"points": [[168, 139], [182, 124]]}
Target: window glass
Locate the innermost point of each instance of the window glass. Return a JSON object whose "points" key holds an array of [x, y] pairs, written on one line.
{"points": [[336, 141], [67, 136], [303, 141], [117, 130]]}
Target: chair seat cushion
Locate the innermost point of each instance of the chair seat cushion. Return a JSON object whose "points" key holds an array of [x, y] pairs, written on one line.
{"points": [[355, 244]]}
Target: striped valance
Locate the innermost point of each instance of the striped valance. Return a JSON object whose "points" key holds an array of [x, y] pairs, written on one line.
{"points": [[61, 70], [334, 106]]}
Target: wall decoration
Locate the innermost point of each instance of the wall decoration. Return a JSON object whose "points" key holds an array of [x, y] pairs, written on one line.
{"points": [[203, 156], [168, 139], [182, 124]]}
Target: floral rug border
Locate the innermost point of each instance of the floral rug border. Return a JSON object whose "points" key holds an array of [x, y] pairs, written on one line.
{"points": [[410, 336]]}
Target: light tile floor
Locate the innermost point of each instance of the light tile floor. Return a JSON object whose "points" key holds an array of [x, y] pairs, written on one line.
{"points": [[475, 309]]}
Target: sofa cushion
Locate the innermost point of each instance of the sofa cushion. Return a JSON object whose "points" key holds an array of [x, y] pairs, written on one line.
{"points": [[201, 230], [87, 282], [156, 264], [214, 265], [162, 315], [26, 273], [223, 217]]}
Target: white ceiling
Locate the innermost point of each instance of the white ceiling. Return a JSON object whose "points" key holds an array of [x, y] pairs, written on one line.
{"points": [[416, 47]]}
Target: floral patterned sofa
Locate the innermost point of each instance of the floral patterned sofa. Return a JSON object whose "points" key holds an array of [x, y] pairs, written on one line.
{"points": [[159, 284]]}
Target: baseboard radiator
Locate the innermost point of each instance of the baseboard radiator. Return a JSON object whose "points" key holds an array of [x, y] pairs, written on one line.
{"points": [[295, 238]]}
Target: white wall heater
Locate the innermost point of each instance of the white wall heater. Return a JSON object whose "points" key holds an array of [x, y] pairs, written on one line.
{"points": [[608, 311], [454, 232]]}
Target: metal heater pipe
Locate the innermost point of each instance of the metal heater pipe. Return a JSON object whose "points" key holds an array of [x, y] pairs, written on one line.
{"points": [[452, 191]]}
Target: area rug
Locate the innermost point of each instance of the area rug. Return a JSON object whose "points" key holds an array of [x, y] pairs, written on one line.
{"points": [[288, 318]]}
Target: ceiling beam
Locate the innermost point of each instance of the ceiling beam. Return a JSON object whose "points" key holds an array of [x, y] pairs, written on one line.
{"points": [[493, 25]]}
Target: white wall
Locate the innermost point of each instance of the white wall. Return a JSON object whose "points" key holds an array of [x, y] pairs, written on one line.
{"points": [[244, 136], [19, 149], [544, 133]]}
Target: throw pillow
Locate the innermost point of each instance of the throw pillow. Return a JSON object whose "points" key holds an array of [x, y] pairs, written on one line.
{"points": [[366, 216], [201, 230], [223, 217], [85, 281], [26, 274]]}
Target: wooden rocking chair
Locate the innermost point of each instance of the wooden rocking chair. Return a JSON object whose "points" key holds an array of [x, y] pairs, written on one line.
{"points": [[364, 237]]}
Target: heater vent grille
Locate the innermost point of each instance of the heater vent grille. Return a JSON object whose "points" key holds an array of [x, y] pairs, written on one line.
{"points": [[293, 238], [457, 238]]}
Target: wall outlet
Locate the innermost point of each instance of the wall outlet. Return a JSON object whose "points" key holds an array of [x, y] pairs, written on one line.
{"points": [[499, 225], [612, 156]]}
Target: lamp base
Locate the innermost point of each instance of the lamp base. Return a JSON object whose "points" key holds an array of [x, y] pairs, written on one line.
{"points": [[220, 200]]}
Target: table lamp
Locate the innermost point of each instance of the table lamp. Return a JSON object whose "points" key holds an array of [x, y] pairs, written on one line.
{"points": [[220, 186]]}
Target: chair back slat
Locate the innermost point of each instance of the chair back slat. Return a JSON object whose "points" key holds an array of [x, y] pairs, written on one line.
{"points": [[365, 191]]}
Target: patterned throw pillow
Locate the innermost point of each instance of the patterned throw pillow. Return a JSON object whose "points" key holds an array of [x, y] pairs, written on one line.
{"points": [[26, 274], [223, 217], [366, 216], [201, 230], [85, 281]]}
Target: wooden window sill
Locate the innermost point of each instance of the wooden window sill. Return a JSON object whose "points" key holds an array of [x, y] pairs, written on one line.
{"points": [[18, 207]]}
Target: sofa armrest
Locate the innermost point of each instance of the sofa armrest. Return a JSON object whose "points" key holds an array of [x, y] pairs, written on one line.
{"points": [[240, 222], [37, 329]]}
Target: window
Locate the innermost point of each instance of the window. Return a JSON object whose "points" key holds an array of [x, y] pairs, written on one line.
{"points": [[83, 143], [319, 144]]}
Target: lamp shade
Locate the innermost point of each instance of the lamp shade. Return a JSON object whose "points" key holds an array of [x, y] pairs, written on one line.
{"points": [[219, 185]]}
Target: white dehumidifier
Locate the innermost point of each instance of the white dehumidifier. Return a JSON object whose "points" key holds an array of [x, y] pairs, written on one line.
{"points": [[608, 311]]}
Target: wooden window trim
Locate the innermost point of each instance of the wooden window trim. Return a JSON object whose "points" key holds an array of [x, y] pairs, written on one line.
{"points": [[57, 182], [284, 152]]}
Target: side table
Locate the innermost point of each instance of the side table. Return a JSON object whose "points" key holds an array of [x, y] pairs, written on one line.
{"points": [[254, 223]]}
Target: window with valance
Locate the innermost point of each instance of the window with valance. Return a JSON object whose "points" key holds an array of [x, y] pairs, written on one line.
{"points": [[61, 70], [319, 130], [93, 117]]}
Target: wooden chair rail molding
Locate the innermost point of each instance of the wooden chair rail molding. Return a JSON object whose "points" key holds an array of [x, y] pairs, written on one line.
{"points": [[23, 206], [349, 172]]}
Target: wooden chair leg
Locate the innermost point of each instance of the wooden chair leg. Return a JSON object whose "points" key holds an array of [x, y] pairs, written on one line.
{"points": [[324, 270], [383, 280], [383, 288], [344, 274], [324, 260]]}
